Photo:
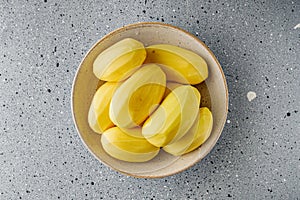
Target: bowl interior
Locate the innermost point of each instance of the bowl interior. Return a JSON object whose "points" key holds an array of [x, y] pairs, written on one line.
{"points": [[85, 85]]}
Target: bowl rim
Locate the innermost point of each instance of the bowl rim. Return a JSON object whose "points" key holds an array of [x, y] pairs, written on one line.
{"points": [[138, 24]]}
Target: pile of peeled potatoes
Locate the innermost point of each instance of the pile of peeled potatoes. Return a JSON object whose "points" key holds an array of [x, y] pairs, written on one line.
{"points": [[148, 101]]}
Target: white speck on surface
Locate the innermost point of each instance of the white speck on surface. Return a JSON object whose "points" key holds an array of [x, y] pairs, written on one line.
{"points": [[228, 121], [297, 26], [251, 96]]}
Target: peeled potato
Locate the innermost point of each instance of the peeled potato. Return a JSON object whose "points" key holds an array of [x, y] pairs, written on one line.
{"points": [[120, 60], [138, 96], [127, 148], [98, 117], [204, 129], [186, 63], [173, 117], [179, 147]]}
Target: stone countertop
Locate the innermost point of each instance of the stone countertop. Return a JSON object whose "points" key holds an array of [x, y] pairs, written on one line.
{"points": [[41, 46]]}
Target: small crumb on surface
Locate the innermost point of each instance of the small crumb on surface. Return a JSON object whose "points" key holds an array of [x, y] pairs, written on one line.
{"points": [[251, 95], [297, 26], [228, 121]]}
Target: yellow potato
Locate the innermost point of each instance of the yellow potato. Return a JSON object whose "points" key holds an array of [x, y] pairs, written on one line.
{"points": [[138, 96], [179, 147], [188, 64], [98, 117], [204, 129], [120, 60], [173, 117], [127, 148]]}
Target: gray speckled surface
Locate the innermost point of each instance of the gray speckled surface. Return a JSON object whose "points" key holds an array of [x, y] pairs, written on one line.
{"points": [[43, 42]]}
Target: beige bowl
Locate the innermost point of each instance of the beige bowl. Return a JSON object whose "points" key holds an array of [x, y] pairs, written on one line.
{"points": [[85, 85]]}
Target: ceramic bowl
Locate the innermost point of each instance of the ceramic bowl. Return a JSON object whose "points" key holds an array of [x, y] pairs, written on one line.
{"points": [[214, 95]]}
